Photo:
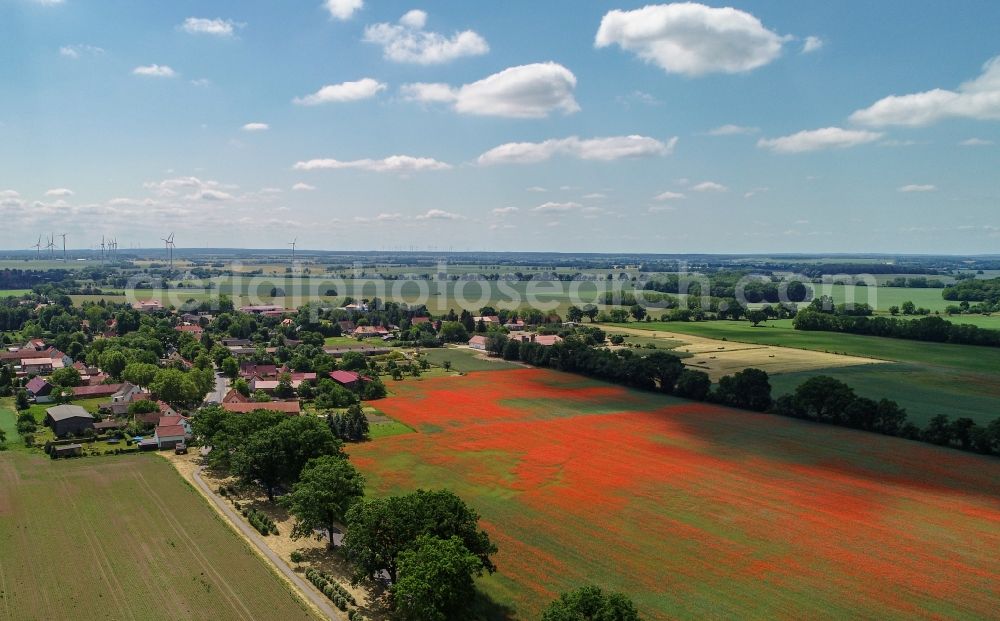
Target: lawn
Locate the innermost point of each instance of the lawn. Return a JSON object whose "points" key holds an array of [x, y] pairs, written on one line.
{"points": [[696, 511], [124, 537], [930, 379], [465, 360]]}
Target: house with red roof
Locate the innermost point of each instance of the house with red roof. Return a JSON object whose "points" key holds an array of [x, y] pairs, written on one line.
{"points": [[478, 342], [347, 379]]}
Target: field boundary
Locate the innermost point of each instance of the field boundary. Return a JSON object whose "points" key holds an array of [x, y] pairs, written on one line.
{"points": [[273, 561]]}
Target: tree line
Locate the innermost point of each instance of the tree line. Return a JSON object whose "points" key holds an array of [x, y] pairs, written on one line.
{"points": [[930, 328]]}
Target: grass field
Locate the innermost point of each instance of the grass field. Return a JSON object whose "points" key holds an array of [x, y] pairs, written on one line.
{"points": [[465, 360], [929, 379], [126, 538], [693, 510]]}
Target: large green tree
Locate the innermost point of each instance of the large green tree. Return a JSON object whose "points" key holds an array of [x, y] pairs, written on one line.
{"points": [[379, 529], [435, 580], [589, 603], [328, 486]]}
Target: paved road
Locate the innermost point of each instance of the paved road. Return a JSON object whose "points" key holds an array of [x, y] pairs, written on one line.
{"points": [[221, 388], [322, 603]]}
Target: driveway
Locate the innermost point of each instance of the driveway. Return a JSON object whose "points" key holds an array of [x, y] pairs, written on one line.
{"points": [[221, 388], [319, 601]]}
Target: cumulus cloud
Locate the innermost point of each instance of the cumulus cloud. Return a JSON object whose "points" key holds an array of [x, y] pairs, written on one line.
{"points": [[194, 187], [526, 91], [364, 88], [812, 44], [59, 192], [408, 42], [602, 149], [155, 71], [732, 130], [76, 51], [977, 99], [439, 214], [975, 142], [504, 211], [753, 192], [668, 196], [343, 9], [552, 206], [692, 39], [818, 139], [303, 187], [215, 27], [709, 186], [916, 187], [392, 164], [10, 199], [256, 127]]}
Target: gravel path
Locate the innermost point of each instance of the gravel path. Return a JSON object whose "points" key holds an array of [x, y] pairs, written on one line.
{"points": [[321, 603]]}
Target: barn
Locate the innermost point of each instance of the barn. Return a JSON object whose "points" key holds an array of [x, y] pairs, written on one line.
{"points": [[68, 419]]}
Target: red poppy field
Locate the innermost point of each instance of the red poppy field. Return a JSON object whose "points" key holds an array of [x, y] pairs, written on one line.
{"points": [[696, 510]]}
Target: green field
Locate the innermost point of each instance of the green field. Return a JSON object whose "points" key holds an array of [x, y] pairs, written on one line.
{"points": [[125, 538], [930, 379], [4, 293], [465, 360]]}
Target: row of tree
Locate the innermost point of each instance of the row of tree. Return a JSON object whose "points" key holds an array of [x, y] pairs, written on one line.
{"points": [[931, 328]]}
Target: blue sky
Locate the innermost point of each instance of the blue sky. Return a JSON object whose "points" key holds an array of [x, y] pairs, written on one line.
{"points": [[564, 125]]}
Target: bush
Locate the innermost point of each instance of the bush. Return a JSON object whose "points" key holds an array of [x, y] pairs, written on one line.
{"points": [[296, 556]]}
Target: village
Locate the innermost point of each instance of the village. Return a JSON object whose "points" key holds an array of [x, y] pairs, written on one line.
{"points": [[75, 407]]}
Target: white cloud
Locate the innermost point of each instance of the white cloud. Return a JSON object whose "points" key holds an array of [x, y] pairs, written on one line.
{"points": [[817, 139], [503, 211], [536, 188], [976, 142], [595, 196], [978, 99], [48, 2], [525, 92], [364, 88], [11, 199], [660, 208], [393, 164], [602, 149], [639, 97], [915, 187], [732, 130], [59, 192], [76, 51], [812, 44], [156, 71], [753, 192], [668, 196], [408, 42], [215, 27], [201, 82], [557, 207], [197, 188], [709, 186], [256, 127], [692, 39], [343, 9], [303, 187], [439, 214]]}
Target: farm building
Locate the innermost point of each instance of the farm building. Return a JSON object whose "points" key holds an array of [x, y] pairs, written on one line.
{"points": [[347, 379], [168, 436], [147, 306], [478, 342], [66, 450], [101, 390], [39, 389], [194, 329], [37, 366], [67, 419], [287, 407], [370, 331]]}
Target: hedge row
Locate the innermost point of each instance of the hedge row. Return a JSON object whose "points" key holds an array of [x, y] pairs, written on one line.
{"points": [[340, 596], [259, 520]]}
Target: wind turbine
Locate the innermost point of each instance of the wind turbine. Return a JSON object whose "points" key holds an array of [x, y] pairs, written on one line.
{"points": [[38, 248], [168, 244], [63, 235], [102, 249], [50, 246], [292, 244]]}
